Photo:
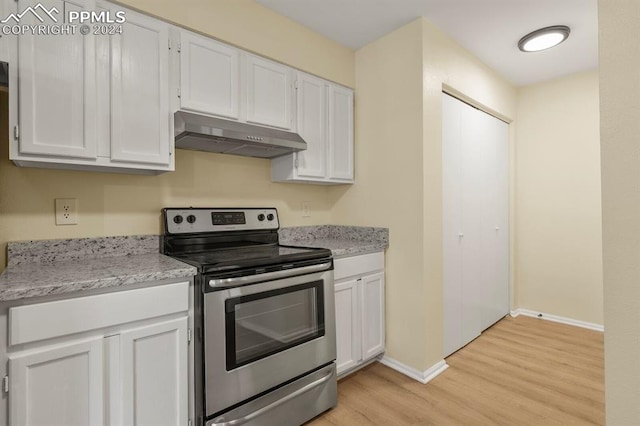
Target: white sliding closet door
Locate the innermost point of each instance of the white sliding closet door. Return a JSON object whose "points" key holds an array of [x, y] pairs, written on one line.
{"points": [[496, 225], [475, 222], [451, 219], [473, 145]]}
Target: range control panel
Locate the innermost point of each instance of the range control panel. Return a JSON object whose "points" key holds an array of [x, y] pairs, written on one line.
{"points": [[196, 220]]}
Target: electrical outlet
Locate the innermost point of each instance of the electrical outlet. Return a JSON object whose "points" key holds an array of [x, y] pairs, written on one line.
{"points": [[305, 209], [66, 211]]}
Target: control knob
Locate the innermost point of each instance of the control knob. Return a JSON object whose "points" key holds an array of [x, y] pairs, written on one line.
{"points": [[260, 217], [270, 216], [177, 219], [191, 218]]}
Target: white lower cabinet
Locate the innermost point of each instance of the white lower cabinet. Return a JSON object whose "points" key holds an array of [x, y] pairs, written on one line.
{"points": [[372, 288], [348, 330], [58, 385], [96, 365], [359, 298], [154, 374]]}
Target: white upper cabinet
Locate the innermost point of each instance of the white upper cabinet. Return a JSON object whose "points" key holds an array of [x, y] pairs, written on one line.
{"points": [[325, 121], [57, 89], [269, 92], [209, 76], [340, 133], [92, 102], [140, 113], [219, 80], [312, 113]]}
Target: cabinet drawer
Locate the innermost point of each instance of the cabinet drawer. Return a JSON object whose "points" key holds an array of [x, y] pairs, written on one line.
{"points": [[54, 319], [358, 265]]}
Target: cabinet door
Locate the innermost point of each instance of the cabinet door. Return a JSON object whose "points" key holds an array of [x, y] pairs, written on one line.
{"points": [[209, 76], [348, 327], [340, 133], [154, 374], [311, 117], [372, 315], [140, 114], [268, 92], [57, 89], [58, 385]]}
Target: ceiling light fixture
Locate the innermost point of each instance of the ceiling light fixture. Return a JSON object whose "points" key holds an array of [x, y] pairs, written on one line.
{"points": [[544, 38]]}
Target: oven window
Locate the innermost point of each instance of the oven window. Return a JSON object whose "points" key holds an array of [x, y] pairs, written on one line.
{"points": [[263, 324]]}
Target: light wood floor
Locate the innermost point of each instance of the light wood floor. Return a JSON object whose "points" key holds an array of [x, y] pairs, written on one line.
{"points": [[521, 371]]}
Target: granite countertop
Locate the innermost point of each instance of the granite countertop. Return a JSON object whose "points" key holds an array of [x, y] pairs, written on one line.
{"points": [[50, 267], [343, 241]]}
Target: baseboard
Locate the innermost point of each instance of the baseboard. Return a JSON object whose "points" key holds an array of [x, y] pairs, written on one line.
{"points": [[357, 368], [421, 376], [556, 318]]}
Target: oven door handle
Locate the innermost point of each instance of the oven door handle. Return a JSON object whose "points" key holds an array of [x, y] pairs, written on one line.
{"points": [[274, 404], [267, 276]]}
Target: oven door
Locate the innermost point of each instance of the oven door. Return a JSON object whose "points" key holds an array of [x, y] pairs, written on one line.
{"points": [[259, 336]]}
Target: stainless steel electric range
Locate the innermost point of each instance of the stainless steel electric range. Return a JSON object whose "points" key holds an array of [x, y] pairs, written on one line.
{"points": [[265, 345]]}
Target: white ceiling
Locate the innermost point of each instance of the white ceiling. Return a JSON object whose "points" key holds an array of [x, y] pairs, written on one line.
{"points": [[490, 29]]}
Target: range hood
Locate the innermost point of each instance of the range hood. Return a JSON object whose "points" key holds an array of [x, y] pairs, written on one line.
{"points": [[203, 133]]}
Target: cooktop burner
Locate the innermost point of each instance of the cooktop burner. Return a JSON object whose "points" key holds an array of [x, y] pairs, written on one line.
{"points": [[221, 240], [253, 256]]}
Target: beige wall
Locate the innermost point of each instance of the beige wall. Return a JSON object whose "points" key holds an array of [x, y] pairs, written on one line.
{"points": [[620, 151], [558, 209], [251, 26], [399, 82], [114, 204], [388, 189]]}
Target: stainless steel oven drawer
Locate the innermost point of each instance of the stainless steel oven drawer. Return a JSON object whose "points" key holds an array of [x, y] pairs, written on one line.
{"points": [[286, 330], [292, 404]]}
